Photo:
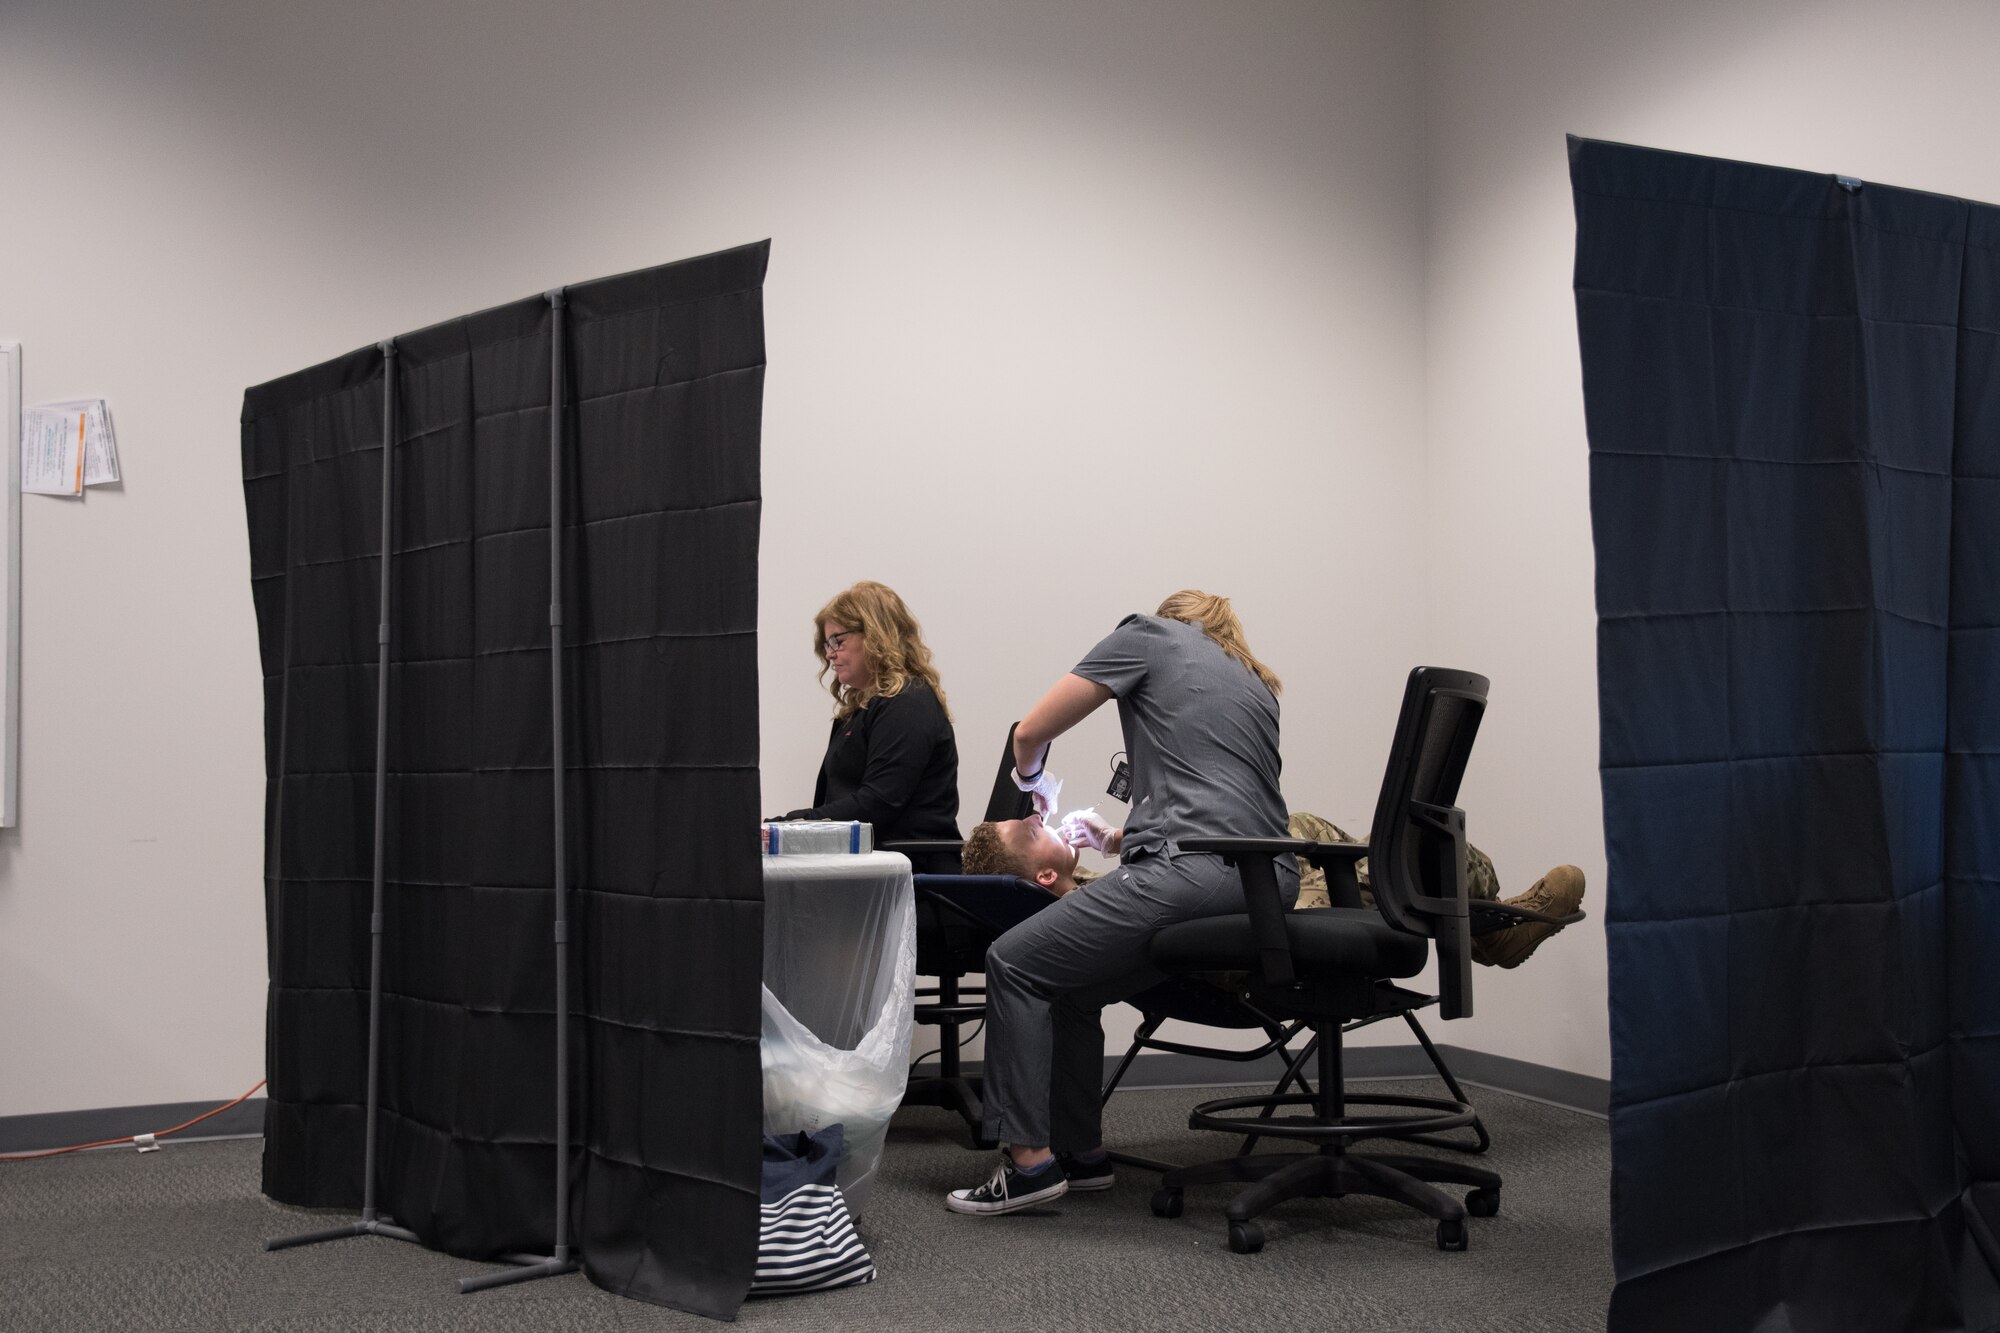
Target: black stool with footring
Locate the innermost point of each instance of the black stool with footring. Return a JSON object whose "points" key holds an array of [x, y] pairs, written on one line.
{"points": [[1336, 966]]}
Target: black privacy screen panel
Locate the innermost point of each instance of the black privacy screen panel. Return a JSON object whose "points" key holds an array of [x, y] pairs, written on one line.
{"points": [[664, 382], [1792, 388]]}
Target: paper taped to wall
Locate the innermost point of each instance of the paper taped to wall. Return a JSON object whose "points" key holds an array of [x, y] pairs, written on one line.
{"points": [[100, 447], [52, 445], [67, 446]]}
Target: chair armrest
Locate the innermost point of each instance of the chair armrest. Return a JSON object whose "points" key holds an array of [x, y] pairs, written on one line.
{"points": [[1255, 860], [1340, 862], [1231, 848], [1324, 854], [1337, 858], [1320, 854], [1487, 917]]}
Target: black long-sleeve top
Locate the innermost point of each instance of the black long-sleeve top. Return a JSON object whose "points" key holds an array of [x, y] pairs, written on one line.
{"points": [[893, 764]]}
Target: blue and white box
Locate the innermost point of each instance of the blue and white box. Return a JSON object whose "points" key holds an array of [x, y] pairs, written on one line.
{"points": [[819, 837]]}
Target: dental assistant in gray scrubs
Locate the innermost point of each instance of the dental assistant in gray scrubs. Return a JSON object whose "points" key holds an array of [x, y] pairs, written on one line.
{"points": [[1200, 717]]}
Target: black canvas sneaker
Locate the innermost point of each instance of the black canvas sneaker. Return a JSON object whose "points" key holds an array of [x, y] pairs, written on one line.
{"points": [[1008, 1189], [1084, 1175]]}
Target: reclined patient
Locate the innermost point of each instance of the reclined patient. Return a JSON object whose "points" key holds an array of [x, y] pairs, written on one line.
{"points": [[1027, 849]]}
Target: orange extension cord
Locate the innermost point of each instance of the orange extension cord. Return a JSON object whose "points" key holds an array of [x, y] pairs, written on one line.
{"points": [[130, 1138]]}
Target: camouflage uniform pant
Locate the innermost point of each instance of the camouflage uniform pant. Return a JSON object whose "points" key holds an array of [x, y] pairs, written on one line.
{"points": [[1480, 879]]}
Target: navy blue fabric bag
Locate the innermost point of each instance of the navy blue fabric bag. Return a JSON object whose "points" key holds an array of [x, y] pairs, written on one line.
{"points": [[806, 1240]]}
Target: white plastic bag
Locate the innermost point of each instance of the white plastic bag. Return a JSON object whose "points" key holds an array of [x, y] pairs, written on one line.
{"points": [[809, 1083]]}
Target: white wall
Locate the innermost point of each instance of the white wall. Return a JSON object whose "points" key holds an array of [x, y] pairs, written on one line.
{"points": [[1069, 306], [1902, 94]]}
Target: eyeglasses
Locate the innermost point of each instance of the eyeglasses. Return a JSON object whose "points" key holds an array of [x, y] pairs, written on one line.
{"points": [[833, 642]]}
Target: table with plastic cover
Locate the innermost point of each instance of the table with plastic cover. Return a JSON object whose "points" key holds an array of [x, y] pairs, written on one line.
{"points": [[840, 954]]}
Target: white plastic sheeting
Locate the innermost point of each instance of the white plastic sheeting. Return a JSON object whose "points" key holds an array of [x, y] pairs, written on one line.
{"points": [[840, 961]]}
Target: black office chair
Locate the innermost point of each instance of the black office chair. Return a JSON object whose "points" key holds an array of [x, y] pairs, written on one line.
{"points": [[959, 917], [1336, 966], [1212, 1003]]}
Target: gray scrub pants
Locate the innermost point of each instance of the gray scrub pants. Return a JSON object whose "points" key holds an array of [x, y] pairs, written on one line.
{"points": [[1049, 978]]}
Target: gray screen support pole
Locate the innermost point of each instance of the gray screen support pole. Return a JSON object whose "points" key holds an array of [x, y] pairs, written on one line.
{"points": [[532, 1266], [10, 587], [371, 1223]]}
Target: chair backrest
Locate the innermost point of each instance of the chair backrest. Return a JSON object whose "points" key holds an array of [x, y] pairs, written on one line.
{"points": [[1416, 850], [940, 856], [990, 904], [959, 915], [1008, 801]]}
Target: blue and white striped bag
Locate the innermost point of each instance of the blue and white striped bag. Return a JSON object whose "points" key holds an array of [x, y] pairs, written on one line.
{"points": [[806, 1240]]}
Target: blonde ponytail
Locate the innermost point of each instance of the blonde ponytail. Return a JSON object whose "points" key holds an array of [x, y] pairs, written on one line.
{"points": [[1216, 618]]}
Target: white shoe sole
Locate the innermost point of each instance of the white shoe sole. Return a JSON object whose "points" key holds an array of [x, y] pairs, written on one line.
{"points": [[959, 1203]]}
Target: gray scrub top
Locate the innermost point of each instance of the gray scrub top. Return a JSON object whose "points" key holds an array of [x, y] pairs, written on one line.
{"points": [[1201, 731]]}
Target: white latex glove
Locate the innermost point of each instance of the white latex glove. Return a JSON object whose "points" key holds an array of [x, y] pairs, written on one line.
{"points": [[1044, 788], [1083, 828]]}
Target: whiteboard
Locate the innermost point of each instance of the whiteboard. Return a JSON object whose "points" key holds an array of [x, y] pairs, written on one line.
{"points": [[10, 551]]}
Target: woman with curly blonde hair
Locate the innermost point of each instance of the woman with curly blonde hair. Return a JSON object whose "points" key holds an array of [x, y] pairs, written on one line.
{"points": [[891, 760]]}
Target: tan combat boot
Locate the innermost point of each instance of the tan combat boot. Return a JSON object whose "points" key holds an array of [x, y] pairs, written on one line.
{"points": [[1555, 894]]}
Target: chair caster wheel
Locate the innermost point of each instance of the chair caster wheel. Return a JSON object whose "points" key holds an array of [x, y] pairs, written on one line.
{"points": [[1451, 1236], [1246, 1237], [1166, 1203], [1483, 1202]]}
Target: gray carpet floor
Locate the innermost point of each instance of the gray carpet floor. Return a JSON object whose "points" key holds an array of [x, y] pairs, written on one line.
{"points": [[172, 1240]]}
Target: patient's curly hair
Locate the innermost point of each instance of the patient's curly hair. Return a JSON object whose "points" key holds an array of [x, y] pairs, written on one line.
{"points": [[891, 638], [1216, 618], [985, 854]]}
